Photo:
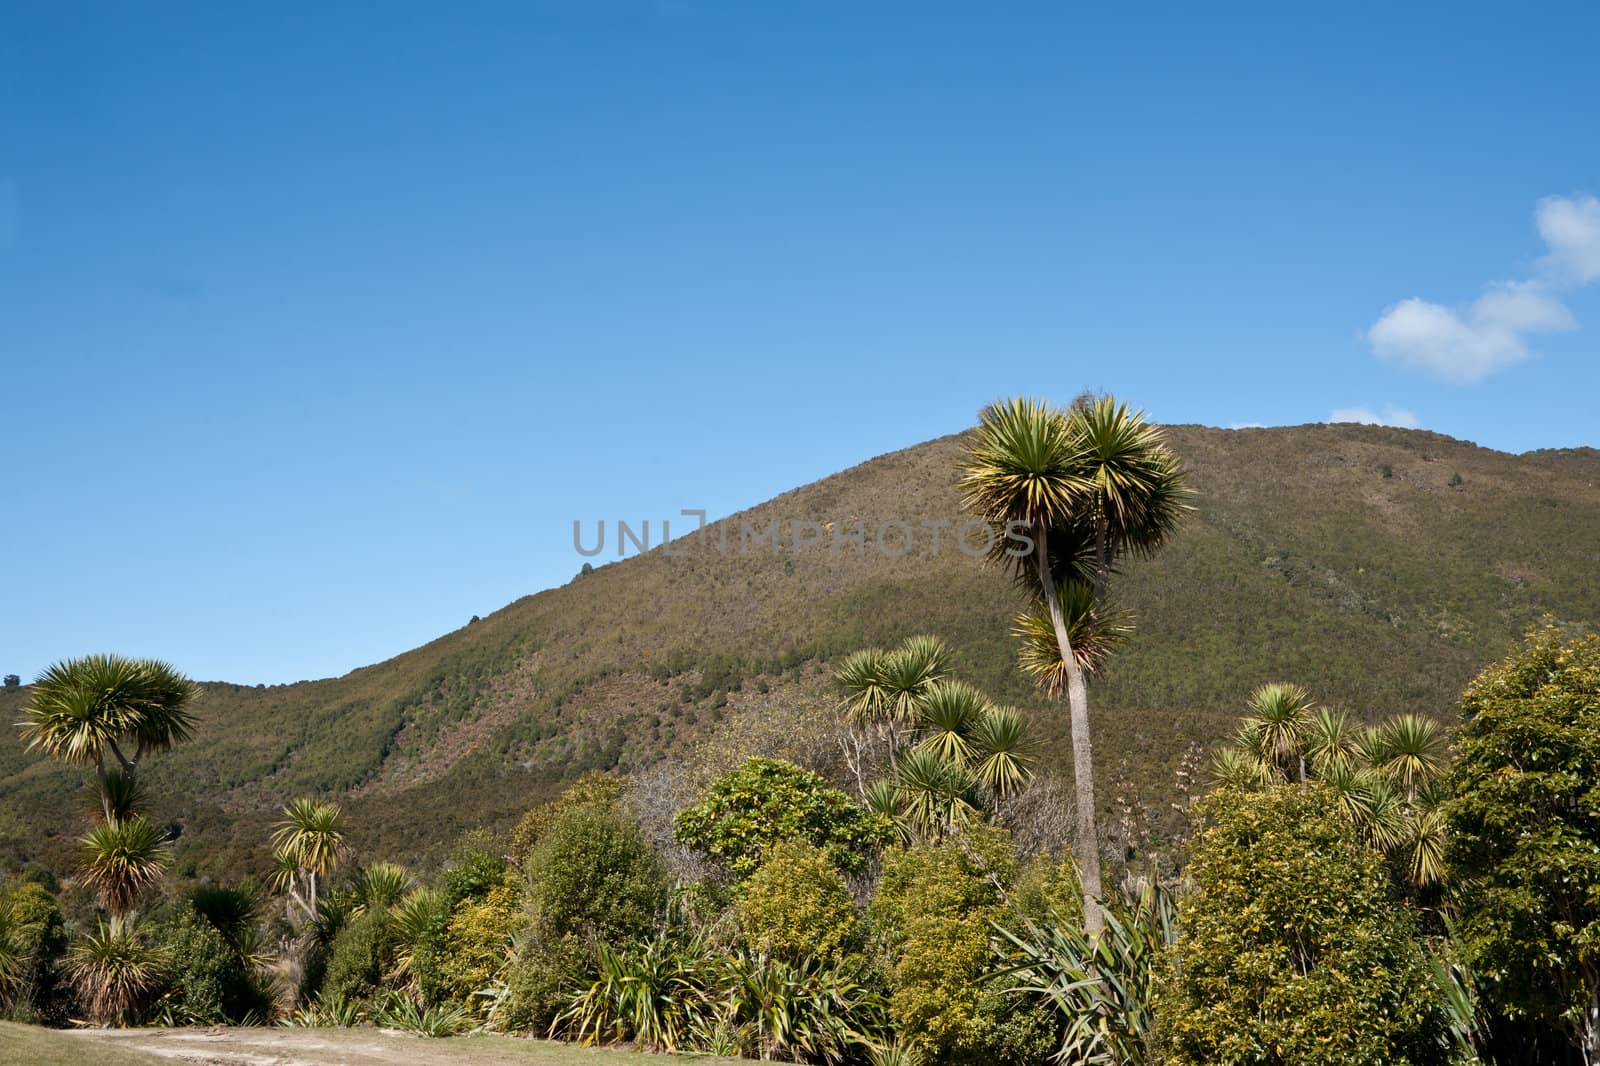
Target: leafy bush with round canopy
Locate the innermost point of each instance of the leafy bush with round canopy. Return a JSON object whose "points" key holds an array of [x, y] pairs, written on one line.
{"points": [[1292, 947], [767, 801], [1524, 839], [594, 875], [796, 906]]}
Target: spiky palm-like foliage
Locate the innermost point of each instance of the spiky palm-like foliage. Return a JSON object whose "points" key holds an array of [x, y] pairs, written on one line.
{"points": [[434, 1021], [116, 972], [1101, 989], [1280, 714], [1382, 817], [308, 843], [380, 886], [1002, 760], [1410, 749], [883, 797], [122, 860], [1237, 767], [421, 914], [1331, 740], [231, 910], [1386, 780], [935, 795], [1138, 483], [1094, 632], [13, 956], [949, 714], [909, 672], [805, 1011], [123, 796], [658, 994], [1424, 846], [1025, 466], [866, 694], [83, 710]]}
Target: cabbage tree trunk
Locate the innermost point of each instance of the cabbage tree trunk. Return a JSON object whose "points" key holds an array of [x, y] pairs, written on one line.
{"points": [[1088, 838]]}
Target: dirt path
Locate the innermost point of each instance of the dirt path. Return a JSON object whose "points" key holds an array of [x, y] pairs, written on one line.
{"points": [[341, 1047]]}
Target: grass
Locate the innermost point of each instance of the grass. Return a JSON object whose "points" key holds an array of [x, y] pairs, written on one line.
{"points": [[1378, 567], [50, 1047]]}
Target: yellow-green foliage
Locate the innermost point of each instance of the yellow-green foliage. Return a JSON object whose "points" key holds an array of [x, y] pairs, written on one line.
{"points": [[766, 801], [932, 919], [796, 906], [1048, 888], [1292, 947], [477, 941]]}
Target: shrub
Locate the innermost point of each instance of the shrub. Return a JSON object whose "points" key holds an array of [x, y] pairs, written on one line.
{"points": [[594, 789], [541, 979], [32, 928], [1292, 948], [594, 875], [767, 801], [207, 982], [477, 942], [932, 919], [360, 955], [796, 906], [476, 865], [1524, 841], [1048, 889]]}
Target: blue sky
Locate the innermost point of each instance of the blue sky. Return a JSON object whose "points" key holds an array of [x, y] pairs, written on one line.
{"points": [[319, 327]]}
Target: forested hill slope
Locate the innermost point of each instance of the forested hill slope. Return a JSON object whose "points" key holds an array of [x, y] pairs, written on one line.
{"points": [[1379, 567]]}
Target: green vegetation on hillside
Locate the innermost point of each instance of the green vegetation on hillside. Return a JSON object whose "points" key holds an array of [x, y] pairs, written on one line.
{"points": [[1301, 559]]}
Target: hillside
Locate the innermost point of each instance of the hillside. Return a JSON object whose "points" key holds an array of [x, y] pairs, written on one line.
{"points": [[1379, 567]]}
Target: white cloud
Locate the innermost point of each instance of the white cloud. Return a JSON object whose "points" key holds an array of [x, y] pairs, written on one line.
{"points": [[1571, 227], [1492, 333], [1489, 336], [1248, 425], [1390, 416]]}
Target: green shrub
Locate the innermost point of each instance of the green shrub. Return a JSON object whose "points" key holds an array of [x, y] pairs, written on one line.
{"points": [[932, 920], [1524, 844], [361, 954], [1048, 889], [1292, 947], [796, 906], [476, 865], [541, 979], [477, 942], [594, 789], [207, 983], [35, 934], [767, 801], [594, 875]]}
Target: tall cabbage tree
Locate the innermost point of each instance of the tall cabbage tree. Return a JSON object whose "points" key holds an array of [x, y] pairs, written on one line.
{"points": [[308, 843], [84, 711], [1089, 485]]}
